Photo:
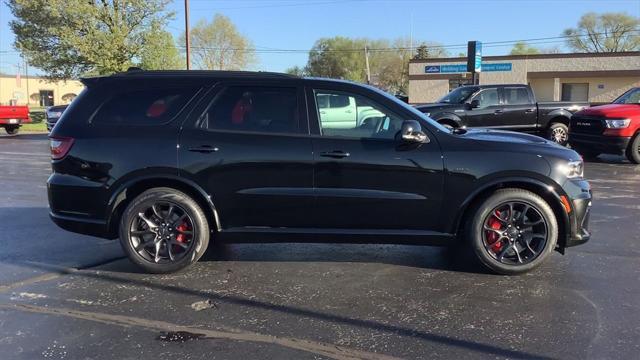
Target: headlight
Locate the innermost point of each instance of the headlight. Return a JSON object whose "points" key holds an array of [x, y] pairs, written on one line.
{"points": [[617, 123], [427, 114], [55, 114], [573, 169]]}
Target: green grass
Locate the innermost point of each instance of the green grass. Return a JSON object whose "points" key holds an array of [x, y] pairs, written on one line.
{"points": [[40, 127]]}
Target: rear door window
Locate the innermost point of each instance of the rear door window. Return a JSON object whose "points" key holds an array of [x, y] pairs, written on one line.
{"points": [[516, 96], [254, 109], [145, 107]]}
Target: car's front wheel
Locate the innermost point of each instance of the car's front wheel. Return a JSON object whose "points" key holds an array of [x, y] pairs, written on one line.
{"points": [[633, 151], [512, 231], [164, 230]]}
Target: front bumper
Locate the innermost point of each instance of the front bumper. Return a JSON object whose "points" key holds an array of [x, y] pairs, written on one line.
{"points": [[580, 196], [599, 143]]}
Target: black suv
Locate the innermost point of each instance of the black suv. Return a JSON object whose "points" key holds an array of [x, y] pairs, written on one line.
{"points": [[171, 161]]}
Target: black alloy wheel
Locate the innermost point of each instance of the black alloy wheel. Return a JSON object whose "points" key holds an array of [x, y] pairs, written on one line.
{"points": [[164, 230], [515, 233], [512, 231]]}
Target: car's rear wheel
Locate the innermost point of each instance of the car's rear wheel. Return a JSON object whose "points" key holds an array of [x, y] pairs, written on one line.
{"points": [[12, 130], [512, 231], [164, 230], [633, 150], [559, 133]]}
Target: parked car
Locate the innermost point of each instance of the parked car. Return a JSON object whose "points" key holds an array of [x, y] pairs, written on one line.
{"points": [[507, 107], [611, 129], [170, 161], [52, 114], [13, 116]]}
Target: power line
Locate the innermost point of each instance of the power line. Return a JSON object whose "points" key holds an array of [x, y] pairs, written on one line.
{"points": [[534, 41], [263, 6]]}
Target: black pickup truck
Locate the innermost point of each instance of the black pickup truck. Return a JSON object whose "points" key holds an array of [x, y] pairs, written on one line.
{"points": [[508, 107]]}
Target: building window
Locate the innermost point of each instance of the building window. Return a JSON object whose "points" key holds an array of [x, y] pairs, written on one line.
{"points": [[46, 97], [575, 92]]}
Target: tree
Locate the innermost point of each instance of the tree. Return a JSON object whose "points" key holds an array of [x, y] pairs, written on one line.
{"points": [[522, 48], [218, 45], [422, 52], [296, 70], [338, 57], [608, 32], [159, 52], [68, 38]]}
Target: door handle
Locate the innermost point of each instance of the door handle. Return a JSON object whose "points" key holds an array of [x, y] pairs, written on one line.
{"points": [[530, 110], [323, 112], [497, 112], [348, 111], [204, 149], [336, 154]]}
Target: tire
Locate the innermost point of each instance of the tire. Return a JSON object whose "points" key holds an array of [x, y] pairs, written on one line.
{"points": [[633, 150], [170, 218], [488, 252], [12, 130], [558, 133]]}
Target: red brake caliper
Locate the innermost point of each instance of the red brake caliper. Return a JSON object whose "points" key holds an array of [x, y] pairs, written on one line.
{"points": [[492, 236], [182, 238]]}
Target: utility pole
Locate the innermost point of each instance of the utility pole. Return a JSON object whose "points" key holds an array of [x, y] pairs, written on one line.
{"points": [[186, 32], [26, 77], [366, 59]]}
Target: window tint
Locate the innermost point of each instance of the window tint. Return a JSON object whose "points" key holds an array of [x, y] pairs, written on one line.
{"points": [[148, 107], [630, 97], [488, 97], [516, 96], [575, 92], [261, 109], [358, 117]]}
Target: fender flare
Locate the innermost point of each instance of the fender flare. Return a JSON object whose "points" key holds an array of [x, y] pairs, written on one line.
{"points": [[119, 194], [554, 191], [558, 113]]}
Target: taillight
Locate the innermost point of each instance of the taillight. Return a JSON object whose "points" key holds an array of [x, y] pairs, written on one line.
{"points": [[60, 147]]}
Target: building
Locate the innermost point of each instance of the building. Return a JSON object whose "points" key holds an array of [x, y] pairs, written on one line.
{"points": [[41, 92], [593, 77]]}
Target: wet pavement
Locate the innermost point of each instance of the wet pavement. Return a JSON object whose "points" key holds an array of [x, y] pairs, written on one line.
{"points": [[67, 296]]}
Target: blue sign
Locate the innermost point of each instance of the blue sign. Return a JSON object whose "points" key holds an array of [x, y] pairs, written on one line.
{"points": [[432, 69], [478, 56], [461, 68]]}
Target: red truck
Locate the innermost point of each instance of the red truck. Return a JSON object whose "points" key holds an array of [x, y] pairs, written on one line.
{"points": [[13, 116], [609, 129]]}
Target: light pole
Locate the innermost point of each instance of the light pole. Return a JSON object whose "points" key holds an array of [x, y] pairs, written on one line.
{"points": [[186, 31]]}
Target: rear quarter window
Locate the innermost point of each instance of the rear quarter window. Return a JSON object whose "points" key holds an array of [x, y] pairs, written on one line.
{"points": [[144, 107]]}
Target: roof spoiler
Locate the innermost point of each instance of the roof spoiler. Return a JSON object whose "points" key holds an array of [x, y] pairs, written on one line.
{"points": [[90, 81]]}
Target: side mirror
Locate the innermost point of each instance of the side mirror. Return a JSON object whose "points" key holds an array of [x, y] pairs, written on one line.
{"points": [[411, 132], [474, 104]]}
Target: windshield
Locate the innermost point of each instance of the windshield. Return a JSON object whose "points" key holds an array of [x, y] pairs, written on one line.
{"points": [[630, 97], [459, 95]]}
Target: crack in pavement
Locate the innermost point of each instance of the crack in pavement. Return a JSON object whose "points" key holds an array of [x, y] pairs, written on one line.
{"points": [[318, 348]]}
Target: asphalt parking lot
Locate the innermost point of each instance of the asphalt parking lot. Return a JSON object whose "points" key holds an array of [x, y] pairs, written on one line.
{"points": [[67, 296]]}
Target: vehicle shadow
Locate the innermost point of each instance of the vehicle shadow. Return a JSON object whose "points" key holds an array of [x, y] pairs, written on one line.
{"points": [[453, 258]]}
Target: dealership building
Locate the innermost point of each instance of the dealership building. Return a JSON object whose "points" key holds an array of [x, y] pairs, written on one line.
{"points": [[37, 91], [592, 77]]}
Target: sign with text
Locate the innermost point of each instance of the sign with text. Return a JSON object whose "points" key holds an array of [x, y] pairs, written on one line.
{"points": [[474, 56], [461, 68]]}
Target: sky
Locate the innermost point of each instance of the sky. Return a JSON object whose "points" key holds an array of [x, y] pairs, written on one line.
{"points": [[297, 24]]}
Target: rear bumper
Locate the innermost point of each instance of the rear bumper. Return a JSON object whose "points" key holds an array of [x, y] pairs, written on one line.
{"points": [[599, 143], [82, 225]]}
